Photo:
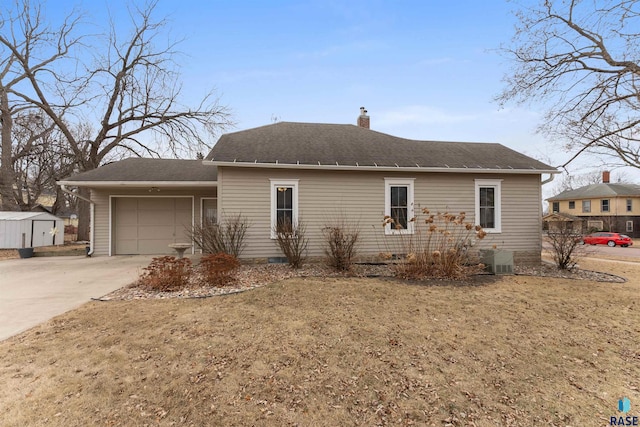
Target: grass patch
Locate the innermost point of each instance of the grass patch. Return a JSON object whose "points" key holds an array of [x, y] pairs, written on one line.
{"points": [[517, 351]]}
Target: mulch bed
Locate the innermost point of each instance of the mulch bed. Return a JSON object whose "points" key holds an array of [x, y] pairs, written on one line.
{"points": [[254, 276]]}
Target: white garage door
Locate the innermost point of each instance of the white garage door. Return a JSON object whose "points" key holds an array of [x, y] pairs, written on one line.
{"points": [[147, 225]]}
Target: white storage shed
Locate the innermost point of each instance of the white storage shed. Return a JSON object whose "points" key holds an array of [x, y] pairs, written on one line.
{"points": [[30, 229]]}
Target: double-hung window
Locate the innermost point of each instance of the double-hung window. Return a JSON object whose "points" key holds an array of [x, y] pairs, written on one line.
{"points": [[586, 206], [398, 205], [284, 204], [604, 205], [488, 205]]}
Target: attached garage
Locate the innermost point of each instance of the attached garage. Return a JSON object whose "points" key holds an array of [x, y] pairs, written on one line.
{"points": [[141, 206], [30, 230], [148, 225]]}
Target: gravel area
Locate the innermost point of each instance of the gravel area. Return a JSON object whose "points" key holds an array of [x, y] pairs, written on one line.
{"points": [[254, 276]]}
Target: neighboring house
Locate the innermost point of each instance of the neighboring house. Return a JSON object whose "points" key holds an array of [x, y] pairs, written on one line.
{"points": [[45, 203], [602, 207], [317, 173], [559, 223]]}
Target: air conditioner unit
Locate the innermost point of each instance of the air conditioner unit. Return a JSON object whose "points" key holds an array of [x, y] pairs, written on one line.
{"points": [[497, 261]]}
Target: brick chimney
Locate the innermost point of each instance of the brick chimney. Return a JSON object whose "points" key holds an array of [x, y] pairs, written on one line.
{"points": [[606, 175], [363, 119]]}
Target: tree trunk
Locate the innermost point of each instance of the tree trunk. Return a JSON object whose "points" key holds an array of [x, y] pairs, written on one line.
{"points": [[84, 218], [7, 174]]}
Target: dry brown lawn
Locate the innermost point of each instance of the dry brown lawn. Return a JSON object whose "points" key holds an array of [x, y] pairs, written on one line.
{"points": [[515, 350]]}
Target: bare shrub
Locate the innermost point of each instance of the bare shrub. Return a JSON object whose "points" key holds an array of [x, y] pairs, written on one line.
{"points": [[226, 237], [340, 244], [438, 247], [219, 269], [166, 274], [291, 238], [564, 245]]}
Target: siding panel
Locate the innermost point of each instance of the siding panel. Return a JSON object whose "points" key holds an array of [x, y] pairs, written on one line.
{"points": [[359, 196]]}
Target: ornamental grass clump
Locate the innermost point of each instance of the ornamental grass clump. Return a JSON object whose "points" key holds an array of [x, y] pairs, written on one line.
{"points": [[438, 247]]}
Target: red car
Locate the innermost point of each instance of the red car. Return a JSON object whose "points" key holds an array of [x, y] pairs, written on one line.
{"points": [[607, 238]]}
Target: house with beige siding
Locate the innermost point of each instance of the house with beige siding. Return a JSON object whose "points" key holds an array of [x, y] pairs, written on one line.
{"points": [[603, 206], [313, 173]]}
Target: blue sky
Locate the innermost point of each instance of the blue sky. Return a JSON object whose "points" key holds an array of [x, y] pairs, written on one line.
{"points": [[423, 69]]}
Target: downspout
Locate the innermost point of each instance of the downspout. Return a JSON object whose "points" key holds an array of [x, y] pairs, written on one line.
{"points": [[91, 215], [548, 180]]}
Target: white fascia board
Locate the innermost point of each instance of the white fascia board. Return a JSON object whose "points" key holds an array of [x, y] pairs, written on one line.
{"points": [[378, 168], [163, 184]]}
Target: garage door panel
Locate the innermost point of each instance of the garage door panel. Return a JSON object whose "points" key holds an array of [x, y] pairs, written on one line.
{"points": [[127, 247], [164, 217], [126, 203], [148, 225], [156, 232], [182, 235], [155, 204], [127, 217], [183, 204], [183, 219], [127, 231], [155, 246]]}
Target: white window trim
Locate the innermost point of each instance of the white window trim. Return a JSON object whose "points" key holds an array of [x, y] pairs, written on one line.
{"points": [[275, 183], [629, 227], [497, 185], [394, 182]]}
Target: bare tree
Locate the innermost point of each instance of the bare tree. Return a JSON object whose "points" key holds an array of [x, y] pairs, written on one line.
{"points": [[582, 60], [24, 39], [34, 155], [130, 90]]}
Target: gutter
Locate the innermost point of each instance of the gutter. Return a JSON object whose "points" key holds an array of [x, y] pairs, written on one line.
{"points": [[139, 184], [92, 214], [416, 168]]}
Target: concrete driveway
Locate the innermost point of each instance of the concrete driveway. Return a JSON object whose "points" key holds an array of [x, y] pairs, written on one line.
{"points": [[34, 290]]}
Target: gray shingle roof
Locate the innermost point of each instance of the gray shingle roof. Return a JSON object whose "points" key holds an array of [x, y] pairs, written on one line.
{"points": [[594, 191], [349, 145], [138, 169]]}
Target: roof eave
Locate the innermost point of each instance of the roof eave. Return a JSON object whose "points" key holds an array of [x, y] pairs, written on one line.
{"points": [[585, 197], [164, 184], [379, 168]]}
